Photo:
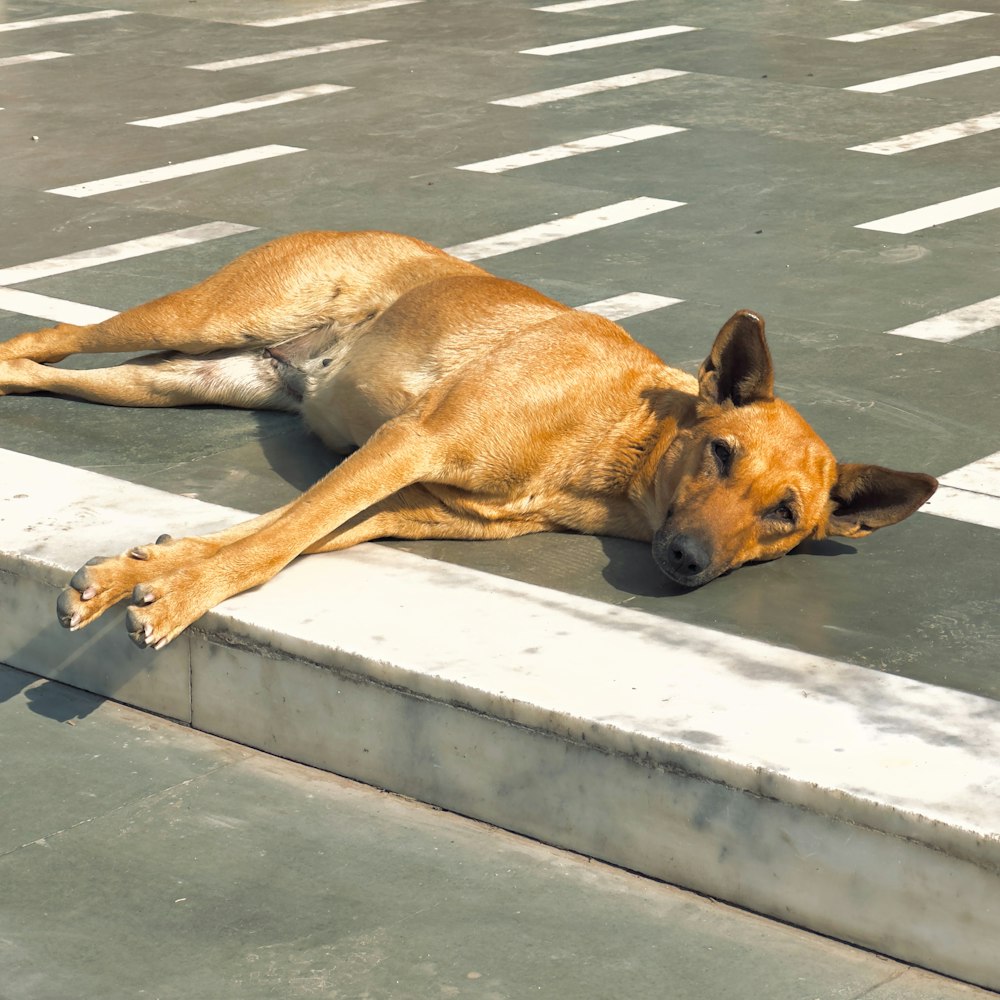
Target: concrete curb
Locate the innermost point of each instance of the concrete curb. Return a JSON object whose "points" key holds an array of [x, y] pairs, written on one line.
{"points": [[854, 803]]}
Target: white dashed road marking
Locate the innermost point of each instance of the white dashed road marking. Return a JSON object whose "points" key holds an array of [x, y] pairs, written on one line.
{"points": [[587, 144], [589, 87], [184, 169], [558, 229]]}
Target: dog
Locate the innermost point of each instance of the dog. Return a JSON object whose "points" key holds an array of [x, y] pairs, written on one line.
{"points": [[469, 407]]}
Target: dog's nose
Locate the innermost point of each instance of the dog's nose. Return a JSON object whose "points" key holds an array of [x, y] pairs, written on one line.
{"points": [[682, 557]]}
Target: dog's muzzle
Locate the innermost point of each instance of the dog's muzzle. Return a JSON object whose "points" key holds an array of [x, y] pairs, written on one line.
{"points": [[683, 558]]}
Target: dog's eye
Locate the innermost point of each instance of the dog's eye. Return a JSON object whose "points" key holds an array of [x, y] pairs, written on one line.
{"points": [[723, 456], [784, 513], [326, 362]]}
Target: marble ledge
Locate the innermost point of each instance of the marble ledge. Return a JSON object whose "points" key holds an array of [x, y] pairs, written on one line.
{"points": [[897, 756]]}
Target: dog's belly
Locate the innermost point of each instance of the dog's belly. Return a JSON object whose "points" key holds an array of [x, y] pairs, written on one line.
{"points": [[350, 404]]}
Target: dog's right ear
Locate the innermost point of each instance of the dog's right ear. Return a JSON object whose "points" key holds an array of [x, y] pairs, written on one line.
{"points": [[738, 370]]}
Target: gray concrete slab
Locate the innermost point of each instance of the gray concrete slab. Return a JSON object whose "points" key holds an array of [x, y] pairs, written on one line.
{"points": [[140, 858], [773, 201]]}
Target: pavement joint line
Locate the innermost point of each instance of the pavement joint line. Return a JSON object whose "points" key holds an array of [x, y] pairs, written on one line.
{"points": [[321, 15], [281, 54], [41, 22], [937, 214], [573, 147], [931, 136], [905, 27], [561, 228], [954, 324], [126, 250], [932, 75], [589, 87], [601, 41], [244, 104], [186, 168]]}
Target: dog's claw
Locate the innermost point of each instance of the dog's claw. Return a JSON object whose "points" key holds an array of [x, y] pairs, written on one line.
{"points": [[164, 538], [68, 616], [143, 594], [139, 631]]}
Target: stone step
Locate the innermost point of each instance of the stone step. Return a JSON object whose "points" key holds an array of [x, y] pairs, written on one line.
{"points": [[847, 801]]}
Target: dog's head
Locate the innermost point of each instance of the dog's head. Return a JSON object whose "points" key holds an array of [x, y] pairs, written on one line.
{"points": [[750, 479]]}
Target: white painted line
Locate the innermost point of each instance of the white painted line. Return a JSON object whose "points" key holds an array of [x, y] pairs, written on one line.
{"points": [[971, 493], [266, 57], [140, 247], [46, 307], [932, 75], [558, 229], [587, 144], [982, 476], [566, 8], [963, 505], [32, 57], [628, 304], [320, 15], [602, 40], [184, 169], [932, 136], [235, 107], [589, 87], [954, 325], [41, 22], [936, 215], [905, 27]]}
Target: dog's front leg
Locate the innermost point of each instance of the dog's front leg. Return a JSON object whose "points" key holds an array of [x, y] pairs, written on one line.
{"points": [[396, 456]]}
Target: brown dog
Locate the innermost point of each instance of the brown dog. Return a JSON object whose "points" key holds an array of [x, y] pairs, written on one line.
{"points": [[479, 409]]}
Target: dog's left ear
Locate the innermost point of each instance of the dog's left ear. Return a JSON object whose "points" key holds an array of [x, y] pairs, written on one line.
{"points": [[738, 369], [868, 497]]}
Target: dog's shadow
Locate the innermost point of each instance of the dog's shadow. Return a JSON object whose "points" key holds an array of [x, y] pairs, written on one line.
{"points": [[630, 567]]}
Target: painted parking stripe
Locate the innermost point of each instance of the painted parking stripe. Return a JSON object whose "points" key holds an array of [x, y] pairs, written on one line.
{"points": [[905, 27], [602, 40], [971, 493], [267, 57], [932, 136], [567, 8], [184, 169], [46, 307], [277, 22], [587, 144], [140, 247], [235, 107], [628, 304], [41, 22], [589, 87], [938, 214], [932, 75], [558, 229], [32, 57], [953, 325]]}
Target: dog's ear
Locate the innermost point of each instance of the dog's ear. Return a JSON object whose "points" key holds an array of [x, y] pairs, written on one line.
{"points": [[867, 497], [738, 369]]}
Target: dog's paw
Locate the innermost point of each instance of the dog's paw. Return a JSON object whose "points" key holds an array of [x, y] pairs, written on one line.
{"points": [[104, 581], [162, 609]]}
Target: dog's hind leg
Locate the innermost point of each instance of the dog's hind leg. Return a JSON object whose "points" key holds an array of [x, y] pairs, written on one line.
{"points": [[243, 378]]}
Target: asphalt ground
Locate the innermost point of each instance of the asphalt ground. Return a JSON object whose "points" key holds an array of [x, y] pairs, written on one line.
{"points": [[141, 859], [772, 200]]}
